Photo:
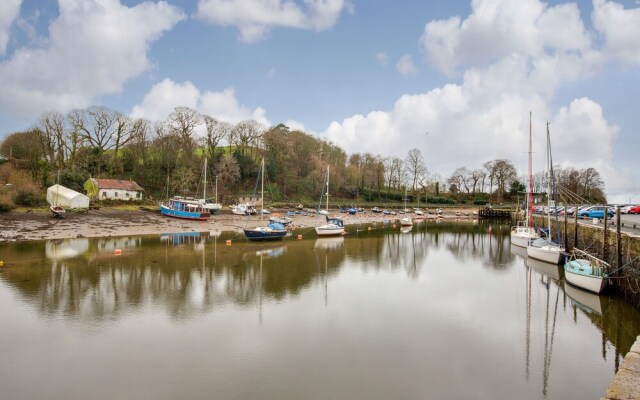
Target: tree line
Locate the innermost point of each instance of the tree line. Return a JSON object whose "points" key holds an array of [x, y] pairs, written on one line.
{"points": [[166, 157]]}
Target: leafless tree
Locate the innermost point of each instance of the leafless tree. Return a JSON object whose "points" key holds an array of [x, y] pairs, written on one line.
{"points": [[183, 122], [51, 127], [415, 166], [245, 133], [217, 131]]}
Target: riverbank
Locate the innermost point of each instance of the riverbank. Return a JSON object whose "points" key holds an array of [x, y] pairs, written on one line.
{"points": [[105, 222]]}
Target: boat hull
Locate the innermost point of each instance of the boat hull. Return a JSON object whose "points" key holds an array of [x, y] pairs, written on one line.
{"points": [[260, 236], [329, 231], [521, 235], [549, 254], [592, 283], [196, 216]]}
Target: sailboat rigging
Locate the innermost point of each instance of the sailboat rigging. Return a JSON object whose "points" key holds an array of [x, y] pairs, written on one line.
{"points": [[274, 230], [523, 232], [546, 249], [333, 226]]}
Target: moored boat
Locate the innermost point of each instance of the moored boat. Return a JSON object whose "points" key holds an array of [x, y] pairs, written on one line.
{"points": [[179, 207], [333, 227], [274, 230], [586, 271]]}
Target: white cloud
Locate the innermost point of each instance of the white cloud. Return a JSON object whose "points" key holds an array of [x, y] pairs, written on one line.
{"points": [[382, 57], [406, 66], [620, 28], [254, 18], [515, 56], [9, 11], [167, 95], [94, 47], [499, 28]]}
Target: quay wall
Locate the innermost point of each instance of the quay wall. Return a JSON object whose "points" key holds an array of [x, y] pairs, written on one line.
{"points": [[626, 281]]}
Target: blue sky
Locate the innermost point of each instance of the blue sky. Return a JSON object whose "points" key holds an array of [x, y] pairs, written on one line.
{"points": [[369, 75]]}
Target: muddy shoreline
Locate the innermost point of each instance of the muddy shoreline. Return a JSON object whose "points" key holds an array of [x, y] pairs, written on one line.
{"points": [[106, 222]]}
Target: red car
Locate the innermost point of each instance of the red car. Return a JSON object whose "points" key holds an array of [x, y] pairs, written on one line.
{"points": [[634, 210]]}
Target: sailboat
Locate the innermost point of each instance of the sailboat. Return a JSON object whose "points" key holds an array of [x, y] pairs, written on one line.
{"points": [[523, 232], [333, 226], [406, 221], [586, 271], [213, 208], [274, 230], [545, 249], [57, 211]]}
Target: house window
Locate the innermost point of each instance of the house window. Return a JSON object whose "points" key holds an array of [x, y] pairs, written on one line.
{"points": [[127, 194], [116, 194], [137, 195], [104, 194]]}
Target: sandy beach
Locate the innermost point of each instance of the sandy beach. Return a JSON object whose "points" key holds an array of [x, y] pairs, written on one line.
{"points": [[105, 222]]}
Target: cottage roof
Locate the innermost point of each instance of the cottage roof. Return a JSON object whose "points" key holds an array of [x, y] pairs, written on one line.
{"points": [[118, 184]]}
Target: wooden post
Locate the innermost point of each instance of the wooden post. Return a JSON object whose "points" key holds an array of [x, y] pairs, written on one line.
{"points": [[575, 231], [618, 240], [604, 235]]}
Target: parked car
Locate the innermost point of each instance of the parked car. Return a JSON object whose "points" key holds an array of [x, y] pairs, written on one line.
{"points": [[595, 212], [625, 209], [570, 210], [634, 210]]}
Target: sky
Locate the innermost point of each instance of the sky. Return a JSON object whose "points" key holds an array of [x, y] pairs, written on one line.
{"points": [[456, 79]]}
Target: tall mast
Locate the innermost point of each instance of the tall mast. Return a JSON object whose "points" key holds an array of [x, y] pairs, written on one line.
{"points": [[262, 190], [548, 182], [530, 191], [327, 188], [204, 191]]}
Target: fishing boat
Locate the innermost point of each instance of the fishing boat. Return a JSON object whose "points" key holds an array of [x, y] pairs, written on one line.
{"points": [[523, 232], [333, 226], [274, 230], [586, 271], [545, 248], [57, 211], [179, 207]]}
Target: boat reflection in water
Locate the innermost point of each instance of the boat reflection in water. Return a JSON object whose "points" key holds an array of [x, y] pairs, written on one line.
{"points": [[550, 270], [329, 242], [66, 248], [586, 301]]}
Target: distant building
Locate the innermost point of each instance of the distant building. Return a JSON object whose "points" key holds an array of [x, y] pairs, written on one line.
{"points": [[112, 189]]}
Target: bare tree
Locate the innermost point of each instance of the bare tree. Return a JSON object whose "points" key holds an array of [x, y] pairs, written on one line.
{"points": [[245, 133], [51, 127], [217, 131], [228, 169], [475, 178], [415, 166], [183, 121]]}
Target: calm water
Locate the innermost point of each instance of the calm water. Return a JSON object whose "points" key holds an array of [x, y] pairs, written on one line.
{"points": [[445, 311]]}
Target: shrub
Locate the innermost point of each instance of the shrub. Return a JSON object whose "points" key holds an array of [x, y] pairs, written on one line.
{"points": [[28, 198]]}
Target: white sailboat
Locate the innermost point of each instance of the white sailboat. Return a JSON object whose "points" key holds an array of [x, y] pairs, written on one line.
{"points": [[523, 232], [333, 226], [545, 249], [406, 221]]}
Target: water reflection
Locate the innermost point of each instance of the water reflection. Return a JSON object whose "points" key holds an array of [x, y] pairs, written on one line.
{"points": [[425, 310]]}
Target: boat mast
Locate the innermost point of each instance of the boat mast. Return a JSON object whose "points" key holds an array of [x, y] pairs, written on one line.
{"points": [[262, 190], [327, 188], [548, 183], [216, 189], [204, 191], [529, 214]]}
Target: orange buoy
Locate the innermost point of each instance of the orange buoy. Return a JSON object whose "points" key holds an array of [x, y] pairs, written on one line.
{"points": [[369, 228], [228, 242], [299, 237], [117, 252]]}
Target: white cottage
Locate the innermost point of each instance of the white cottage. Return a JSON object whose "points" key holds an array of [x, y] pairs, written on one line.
{"points": [[113, 189]]}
